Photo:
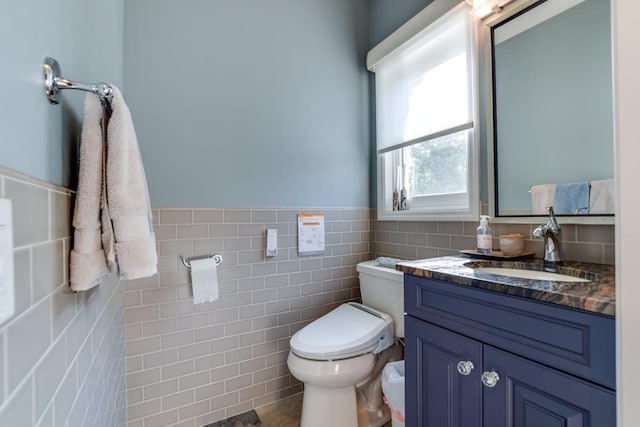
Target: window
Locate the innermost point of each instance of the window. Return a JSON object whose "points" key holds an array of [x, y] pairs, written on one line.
{"points": [[426, 117]]}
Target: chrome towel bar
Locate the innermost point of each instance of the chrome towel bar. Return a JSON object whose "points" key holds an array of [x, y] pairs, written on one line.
{"points": [[54, 82], [187, 261]]}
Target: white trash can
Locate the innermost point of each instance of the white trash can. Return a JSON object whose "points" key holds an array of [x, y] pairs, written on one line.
{"points": [[393, 389]]}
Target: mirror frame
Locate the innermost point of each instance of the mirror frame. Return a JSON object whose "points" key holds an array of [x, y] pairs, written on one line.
{"points": [[509, 10]]}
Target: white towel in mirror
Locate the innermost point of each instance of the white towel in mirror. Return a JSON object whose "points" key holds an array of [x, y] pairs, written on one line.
{"points": [[542, 196], [602, 197]]}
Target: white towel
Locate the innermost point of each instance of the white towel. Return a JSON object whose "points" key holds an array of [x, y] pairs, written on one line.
{"points": [[112, 217], [87, 261], [602, 197], [204, 280], [542, 196], [128, 197]]}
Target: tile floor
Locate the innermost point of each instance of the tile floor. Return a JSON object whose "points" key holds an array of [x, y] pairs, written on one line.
{"points": [[247, 419], [284, 413]]}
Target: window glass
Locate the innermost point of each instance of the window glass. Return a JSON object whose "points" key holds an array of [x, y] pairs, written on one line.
{"points": [[438, 166]]}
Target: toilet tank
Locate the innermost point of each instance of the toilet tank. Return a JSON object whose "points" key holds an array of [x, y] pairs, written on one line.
{"points": [[382, 288]]}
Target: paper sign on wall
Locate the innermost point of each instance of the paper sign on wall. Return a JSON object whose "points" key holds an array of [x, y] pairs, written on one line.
{"points": [[310, 234]]}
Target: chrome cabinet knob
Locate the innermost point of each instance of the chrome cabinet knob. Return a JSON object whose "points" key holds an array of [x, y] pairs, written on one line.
{"points": [[465, 367], [490, 379]]}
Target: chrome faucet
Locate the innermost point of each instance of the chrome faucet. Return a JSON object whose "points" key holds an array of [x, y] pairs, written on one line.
{"points": [[550, 232]]}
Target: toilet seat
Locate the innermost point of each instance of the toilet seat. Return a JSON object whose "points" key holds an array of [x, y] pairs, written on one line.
{"points": [[350, 330]]}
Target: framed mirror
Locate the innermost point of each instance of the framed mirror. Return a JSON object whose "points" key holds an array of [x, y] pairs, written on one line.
{"points": [[551, 112]]}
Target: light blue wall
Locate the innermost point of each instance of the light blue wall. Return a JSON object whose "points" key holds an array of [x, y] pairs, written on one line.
{"points": [[37, 138], [388, 15], [250, 103]]}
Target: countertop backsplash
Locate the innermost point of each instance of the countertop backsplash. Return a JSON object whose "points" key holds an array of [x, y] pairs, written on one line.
{"points": [[419, 240]]}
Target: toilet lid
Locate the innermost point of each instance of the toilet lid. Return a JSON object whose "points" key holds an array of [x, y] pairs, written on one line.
{"points": [[348, 331]]}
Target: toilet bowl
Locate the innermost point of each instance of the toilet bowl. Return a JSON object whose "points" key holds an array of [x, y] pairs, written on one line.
{"points": [[340, 356], [329, 394]]}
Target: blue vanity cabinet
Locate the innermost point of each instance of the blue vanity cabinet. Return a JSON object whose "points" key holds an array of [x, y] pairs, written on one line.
{"points": [[533, 395], [436, 393], [481, 358]]}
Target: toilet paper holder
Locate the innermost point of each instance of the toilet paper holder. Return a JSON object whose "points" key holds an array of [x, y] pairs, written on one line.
{"points": [[187, 261]]}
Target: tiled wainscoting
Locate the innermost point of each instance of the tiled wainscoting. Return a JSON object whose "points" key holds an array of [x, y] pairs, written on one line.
{"points": [[419, 240], [61, 354], [190, 365]]}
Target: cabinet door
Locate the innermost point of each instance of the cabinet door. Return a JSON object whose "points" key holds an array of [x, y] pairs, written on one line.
{"points": [[437, 394], [531, 395]]}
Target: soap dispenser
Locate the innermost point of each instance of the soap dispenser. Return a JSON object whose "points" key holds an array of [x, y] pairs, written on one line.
{"points": [[485, 238]]}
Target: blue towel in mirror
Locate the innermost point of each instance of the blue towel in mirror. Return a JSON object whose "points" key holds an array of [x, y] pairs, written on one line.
{"points": [[572, 199]]}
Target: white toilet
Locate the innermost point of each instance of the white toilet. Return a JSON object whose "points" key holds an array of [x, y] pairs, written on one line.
{"points": [[340, 356]]}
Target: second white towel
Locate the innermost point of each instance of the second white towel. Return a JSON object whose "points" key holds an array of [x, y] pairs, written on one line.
{"points": [[204, 280], [602, 198], [542, 196]]}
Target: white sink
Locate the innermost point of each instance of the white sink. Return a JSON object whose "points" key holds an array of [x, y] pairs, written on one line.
{"points": [[530, 274]]}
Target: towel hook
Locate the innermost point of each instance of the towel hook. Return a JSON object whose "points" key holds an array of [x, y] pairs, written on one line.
{"points": [[187, 261], [54, 82]]}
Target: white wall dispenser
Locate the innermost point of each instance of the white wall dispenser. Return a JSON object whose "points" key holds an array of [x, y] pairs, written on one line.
{"points": [[272, 242]]}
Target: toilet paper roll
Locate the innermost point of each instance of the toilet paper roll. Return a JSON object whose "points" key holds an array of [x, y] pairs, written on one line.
{"points": [[204, 280]]}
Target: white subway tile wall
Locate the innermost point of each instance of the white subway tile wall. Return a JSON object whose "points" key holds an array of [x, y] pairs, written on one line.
{"points": [[419, 240], [190, 365], [62, 354]]}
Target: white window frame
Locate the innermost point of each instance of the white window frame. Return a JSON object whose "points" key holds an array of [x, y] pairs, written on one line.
{"points": [[434, 207]]}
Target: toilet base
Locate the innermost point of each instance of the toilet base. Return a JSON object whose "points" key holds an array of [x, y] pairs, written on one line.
{"points": [[323, 406], [341, 401], [349, 405]]}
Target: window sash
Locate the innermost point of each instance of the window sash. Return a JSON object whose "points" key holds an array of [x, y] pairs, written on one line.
{"points": [[436, 135], [392, 160]]}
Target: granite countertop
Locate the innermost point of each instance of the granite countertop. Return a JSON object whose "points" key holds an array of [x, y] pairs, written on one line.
{"points": [[598, 295]]}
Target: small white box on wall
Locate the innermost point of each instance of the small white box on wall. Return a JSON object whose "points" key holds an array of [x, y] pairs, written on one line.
{"points": [[272, 242]]}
